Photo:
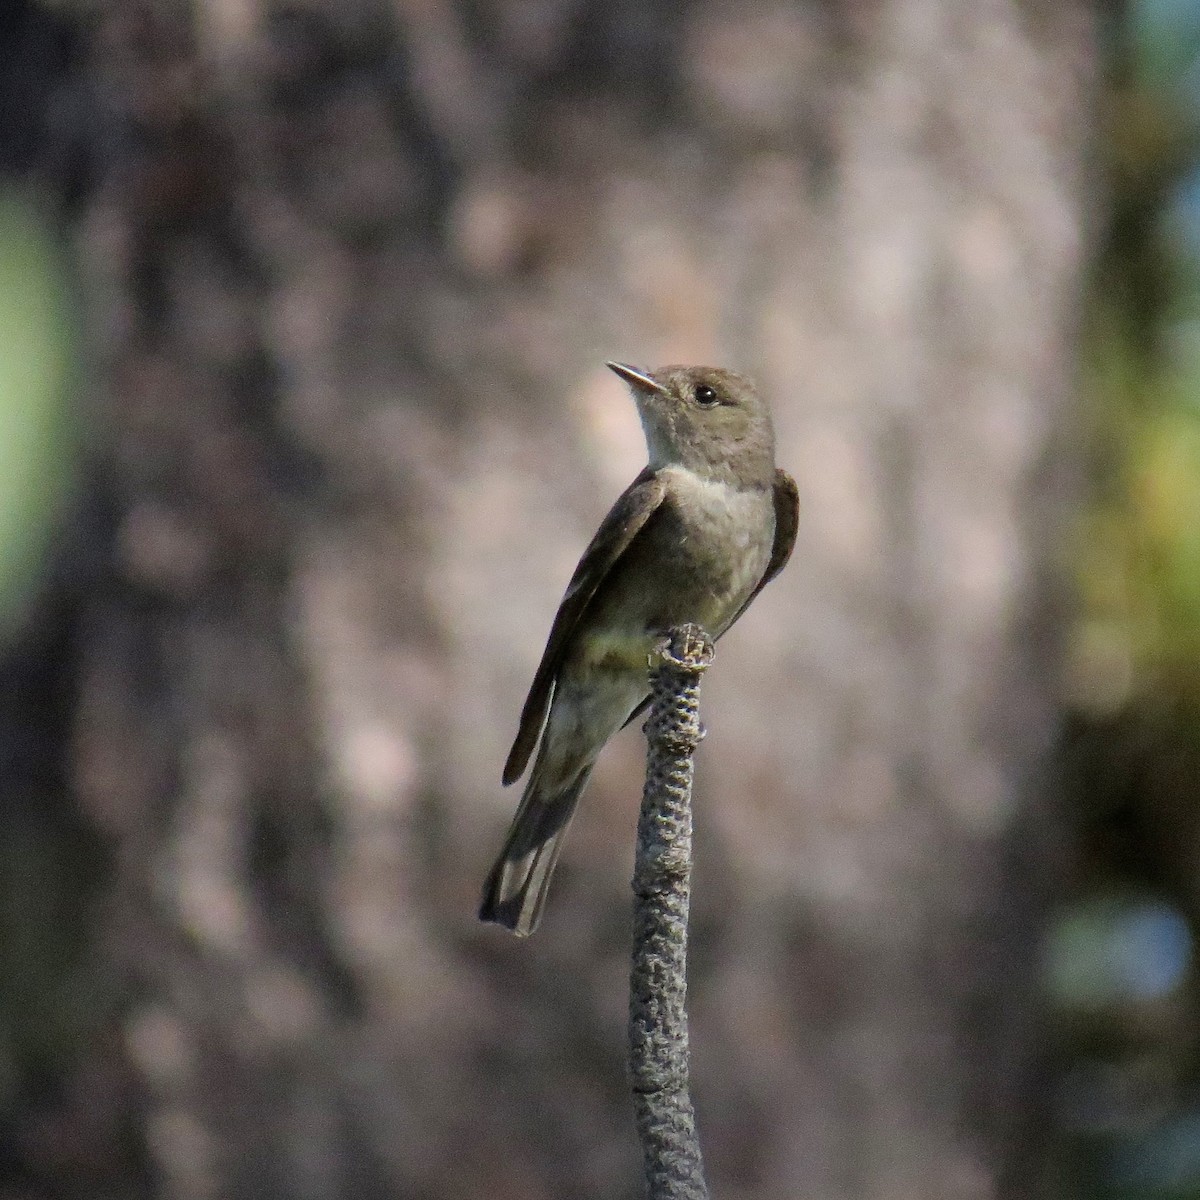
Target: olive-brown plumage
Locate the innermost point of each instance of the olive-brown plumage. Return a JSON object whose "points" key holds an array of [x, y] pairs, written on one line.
{"points": [[694, 538]]}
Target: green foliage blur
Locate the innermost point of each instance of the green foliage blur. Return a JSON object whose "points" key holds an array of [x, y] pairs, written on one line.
{"points": [[38, 399], [1120, 961], [1140, 573]]}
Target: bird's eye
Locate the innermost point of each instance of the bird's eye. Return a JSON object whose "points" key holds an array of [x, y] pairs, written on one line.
{"points": [[706, 397]]}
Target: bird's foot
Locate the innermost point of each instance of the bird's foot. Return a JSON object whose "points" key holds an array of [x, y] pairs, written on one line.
{"points": [[686, 646]]}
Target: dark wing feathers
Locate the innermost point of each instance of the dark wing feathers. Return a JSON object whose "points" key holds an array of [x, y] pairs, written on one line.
{"points": [[625, 519], [787, 521]]}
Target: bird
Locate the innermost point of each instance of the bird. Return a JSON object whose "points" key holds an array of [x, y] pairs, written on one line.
{"points": [[707, 523]]}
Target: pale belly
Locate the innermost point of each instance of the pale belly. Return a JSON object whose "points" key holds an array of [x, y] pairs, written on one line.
{"points": [[698, 565]]}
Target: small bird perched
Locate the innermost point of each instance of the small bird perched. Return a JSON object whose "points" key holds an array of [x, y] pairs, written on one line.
{"points": [[694, 538]]}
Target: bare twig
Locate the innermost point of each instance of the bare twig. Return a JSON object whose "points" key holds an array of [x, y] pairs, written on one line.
{"points": [[658, 1035]]}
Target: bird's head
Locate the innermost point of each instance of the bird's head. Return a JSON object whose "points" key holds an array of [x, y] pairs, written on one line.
{"points": [[707, 419]]}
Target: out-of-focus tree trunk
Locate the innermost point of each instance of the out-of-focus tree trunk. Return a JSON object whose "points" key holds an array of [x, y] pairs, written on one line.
{"points": [[352, 271]]}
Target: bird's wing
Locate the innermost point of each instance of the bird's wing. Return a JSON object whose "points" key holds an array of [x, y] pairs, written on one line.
{"points": [[625, 519], [787, 521]]}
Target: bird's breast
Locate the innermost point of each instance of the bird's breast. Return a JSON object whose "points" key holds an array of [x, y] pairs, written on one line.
{"points": [[723, 533], [697, 560]]}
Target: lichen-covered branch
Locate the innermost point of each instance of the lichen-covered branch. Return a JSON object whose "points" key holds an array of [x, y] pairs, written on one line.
{"points": [[658, 1034]]}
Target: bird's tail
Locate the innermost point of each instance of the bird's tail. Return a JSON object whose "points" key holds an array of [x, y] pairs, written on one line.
{"points": [[514, 893]]}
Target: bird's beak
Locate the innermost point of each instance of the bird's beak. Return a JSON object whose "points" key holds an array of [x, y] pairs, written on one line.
{"points": [[635, 378]]}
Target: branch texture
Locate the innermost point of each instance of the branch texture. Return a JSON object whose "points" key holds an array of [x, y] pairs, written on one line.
{"points": [[658, 1034]]}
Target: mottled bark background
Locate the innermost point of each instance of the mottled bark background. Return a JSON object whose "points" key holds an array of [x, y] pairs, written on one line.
{"points": [[351, 271]]}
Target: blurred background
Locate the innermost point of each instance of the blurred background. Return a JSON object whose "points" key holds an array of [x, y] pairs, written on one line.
{"points": [[303, 425]]}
